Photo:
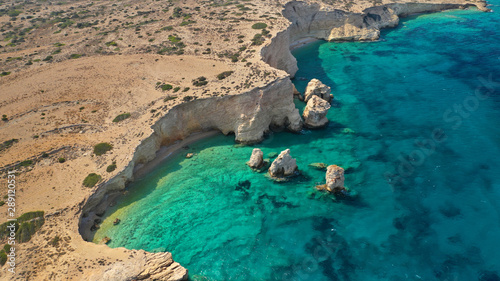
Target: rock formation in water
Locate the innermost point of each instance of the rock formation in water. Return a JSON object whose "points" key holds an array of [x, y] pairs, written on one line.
{"points": [[283, 166], [318, 166], [315, 113], [257, 159], [334, 178], [316, 88]]}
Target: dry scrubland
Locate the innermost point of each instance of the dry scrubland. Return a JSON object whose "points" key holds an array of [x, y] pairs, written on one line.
{"points": [[74, 74]]}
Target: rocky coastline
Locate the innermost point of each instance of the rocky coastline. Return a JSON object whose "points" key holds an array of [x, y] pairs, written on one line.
{"points": [[248, 115]]}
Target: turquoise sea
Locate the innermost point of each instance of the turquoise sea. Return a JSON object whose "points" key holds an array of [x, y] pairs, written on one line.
{"points": [[416, 125]]}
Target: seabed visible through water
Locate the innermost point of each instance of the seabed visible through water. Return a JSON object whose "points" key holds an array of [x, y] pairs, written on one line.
{"points": [[427, 209]]}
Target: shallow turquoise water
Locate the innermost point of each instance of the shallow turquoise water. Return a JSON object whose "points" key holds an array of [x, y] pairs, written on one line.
{"points": [[424, 158]]}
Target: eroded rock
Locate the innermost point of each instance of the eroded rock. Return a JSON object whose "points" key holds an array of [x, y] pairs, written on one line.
{"points": [[315, 112], [316, 88], [257, 159], [283, 166], [334, 178]]}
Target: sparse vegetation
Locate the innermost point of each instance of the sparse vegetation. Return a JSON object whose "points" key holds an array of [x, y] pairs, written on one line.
{"points": [[224, 75], [26, 163], [169, 98], [6, 144], [25, 226], [121, 117], [200, 81], [91, 180], [55, 241]]}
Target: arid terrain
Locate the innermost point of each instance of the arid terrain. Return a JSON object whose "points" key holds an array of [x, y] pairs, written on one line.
{"points": [[74, 74]]}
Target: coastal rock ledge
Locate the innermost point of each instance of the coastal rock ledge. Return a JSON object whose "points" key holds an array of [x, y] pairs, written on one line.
{"points": [[283, 166], [317, 88], [315, 113]]}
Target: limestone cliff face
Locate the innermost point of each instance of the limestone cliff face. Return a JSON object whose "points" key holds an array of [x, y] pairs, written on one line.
{"points": [[248, 115], [311, 20]]}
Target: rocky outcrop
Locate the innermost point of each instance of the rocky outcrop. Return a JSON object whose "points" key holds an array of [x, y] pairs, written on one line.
{"points": [[315, 113], [283, 166], [313, 20], [334, 178], [145, 266], [257, 159], [316, 88]]}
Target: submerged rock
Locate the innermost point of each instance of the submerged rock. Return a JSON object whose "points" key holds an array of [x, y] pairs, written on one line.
{"points": [[315, 112], [283, 166], [318, 166], [334, 178], [189, 155], [117, 221], [272, 154], [316, 88], [105, 240], [257, 159]]}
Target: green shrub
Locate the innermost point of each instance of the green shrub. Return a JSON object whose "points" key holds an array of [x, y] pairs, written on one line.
{"points": [[91, 180], [258, 39], [26, 163], [61, 160], [224, 75], [200, 81], [121, 117], [111, 43], [168, 28], [166, 87], [176, 89], [3, 257], [102, 148], [111, 168], [2, 203], [187, 98], [6, 248], [259, 25], [75, 56], [168, 98], [47, 58], [4, 73], [174, 39]]}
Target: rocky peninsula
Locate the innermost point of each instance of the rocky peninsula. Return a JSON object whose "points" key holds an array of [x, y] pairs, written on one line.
{"points": [[117, 74]]}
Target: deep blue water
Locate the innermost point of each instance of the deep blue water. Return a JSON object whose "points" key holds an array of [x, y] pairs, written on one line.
{"points": [[415, 123]]}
